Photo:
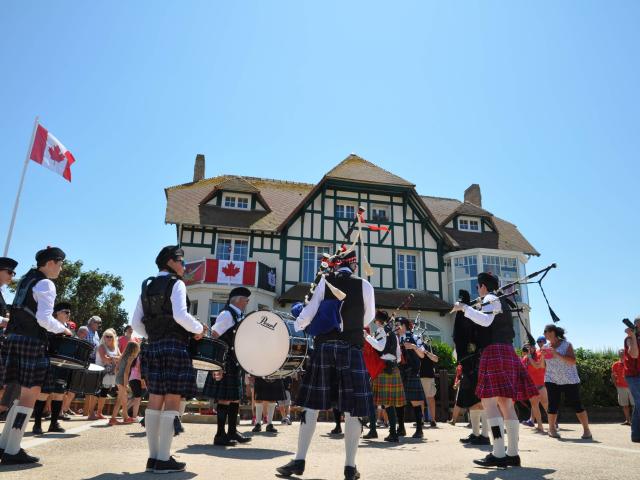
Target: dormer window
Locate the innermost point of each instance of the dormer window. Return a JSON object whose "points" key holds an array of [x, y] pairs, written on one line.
{"points": [[468, 225], [236, 201]]}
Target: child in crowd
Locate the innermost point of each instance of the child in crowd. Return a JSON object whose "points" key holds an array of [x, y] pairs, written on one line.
{"points": [[130, 354]]}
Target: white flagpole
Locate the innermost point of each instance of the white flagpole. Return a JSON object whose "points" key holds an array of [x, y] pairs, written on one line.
{"points": [[24, 172]]}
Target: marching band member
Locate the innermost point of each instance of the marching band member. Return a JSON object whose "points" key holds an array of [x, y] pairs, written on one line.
{"points": [[336, 373], [267, 393], [412, 352], [501, 376], [387, 386], [228, 390], [162, 316], [7, 272], [27, 360], [469, 340]]}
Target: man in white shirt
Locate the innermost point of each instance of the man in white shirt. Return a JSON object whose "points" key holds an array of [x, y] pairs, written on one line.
{"points": [[27, 359], [227, 391], [162, 316]]}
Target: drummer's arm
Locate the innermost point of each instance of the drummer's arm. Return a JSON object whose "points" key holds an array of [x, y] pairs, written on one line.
{"points": [[223, 323], [44, 293], [180, 311]]}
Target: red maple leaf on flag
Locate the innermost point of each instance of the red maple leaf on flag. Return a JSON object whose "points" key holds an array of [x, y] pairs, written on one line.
{"points": [[230, 270], [56, 154]]}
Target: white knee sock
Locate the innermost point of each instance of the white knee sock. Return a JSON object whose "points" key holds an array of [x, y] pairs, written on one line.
{"points": [[307, 428], [23, 414], [352, 429], [485, 424], [513, 435], [474, 415], [259, 413], [183, 406], [165, 434], [271, 410], [151, 425], [497, 433], [11, 415]]}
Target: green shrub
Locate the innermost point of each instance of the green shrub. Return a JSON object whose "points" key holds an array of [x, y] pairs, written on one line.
{"points": [[594, 369], [445, 356]]}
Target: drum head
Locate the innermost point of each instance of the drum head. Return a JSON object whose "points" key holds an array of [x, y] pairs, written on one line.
{"points": [[262, 343], [95, 368]]}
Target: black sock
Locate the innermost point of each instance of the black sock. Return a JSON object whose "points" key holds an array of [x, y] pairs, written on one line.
{"points": [[372, 422], [417, 412], [400, 413], [56, 408], [222, 410], [234, 408], [391, 413], [336, 417], [38, 408]]}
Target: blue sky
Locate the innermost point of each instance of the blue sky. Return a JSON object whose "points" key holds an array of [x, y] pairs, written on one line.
{"points": [[535, 101]]}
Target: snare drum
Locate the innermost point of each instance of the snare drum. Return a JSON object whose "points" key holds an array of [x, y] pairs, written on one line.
{"points": [[69, 352], [86, 382], [267, 345], [208, 353]]}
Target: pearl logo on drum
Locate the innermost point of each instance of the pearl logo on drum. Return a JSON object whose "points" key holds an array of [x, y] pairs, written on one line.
{"points": [[264, 323]]}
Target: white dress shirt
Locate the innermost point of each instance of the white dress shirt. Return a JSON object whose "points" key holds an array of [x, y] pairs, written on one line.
{"points": [[224, 321], [310, 310], [484, 317], [380, 341], [178, 305], [44, 293]]}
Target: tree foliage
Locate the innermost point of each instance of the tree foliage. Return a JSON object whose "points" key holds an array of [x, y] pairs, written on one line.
{"points": [[92, 292]]}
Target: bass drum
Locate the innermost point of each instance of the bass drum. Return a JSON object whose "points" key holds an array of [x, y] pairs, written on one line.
{"points": [[267, 345], [86, 382]]}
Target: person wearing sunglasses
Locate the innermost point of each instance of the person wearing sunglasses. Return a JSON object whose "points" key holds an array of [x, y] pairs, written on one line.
{"points": [[7, 273], [162, 316], [27, 359]]}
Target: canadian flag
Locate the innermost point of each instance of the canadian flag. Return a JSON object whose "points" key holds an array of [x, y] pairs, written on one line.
{"points": [[50, 153]]}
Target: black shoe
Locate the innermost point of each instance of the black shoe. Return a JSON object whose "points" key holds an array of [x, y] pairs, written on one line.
{"points": [[433, 424], [238, 437], [402, 432], [224, 441], [37, 429], [336, 431], [151, 465], [393, 438], [294, 467], [257, 428], [491, 461], [370, 435], [271, 429], [177, 426], [470, 439], [55, 428], [351, 473], [513, 461], [65, 417], [19, 458], [418, 434], [3, 415], [170, 466], [480, 440]]}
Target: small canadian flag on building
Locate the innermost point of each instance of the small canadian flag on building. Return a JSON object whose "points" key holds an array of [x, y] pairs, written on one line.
{"points": [[50, 153]]}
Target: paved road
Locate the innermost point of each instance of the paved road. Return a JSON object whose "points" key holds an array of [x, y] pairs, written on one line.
{"points": [[92, 450]]}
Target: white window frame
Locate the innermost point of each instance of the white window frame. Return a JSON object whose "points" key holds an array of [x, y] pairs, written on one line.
{"points": [[315, 247], [236, 198], [468, 221], [233, 247], [346, 205], [418, 270]]}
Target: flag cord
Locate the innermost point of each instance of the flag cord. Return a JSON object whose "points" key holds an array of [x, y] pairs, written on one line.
{"points": [[15, 206]]}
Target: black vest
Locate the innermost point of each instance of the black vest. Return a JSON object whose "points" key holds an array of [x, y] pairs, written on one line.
{"points": [[3, 306], [158, 312], [411, 358], [351, 312], [229, 337], [502, 326], [23, 311], [466, 332], [391, 345]]}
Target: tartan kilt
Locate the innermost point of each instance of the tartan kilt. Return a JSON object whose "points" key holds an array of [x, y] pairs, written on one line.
{"points": [[336, 376], [269, 391], [413, 390], [167, 369], [26, 361], [57, 380], [229, 388], [501, 374], [388, 389]]}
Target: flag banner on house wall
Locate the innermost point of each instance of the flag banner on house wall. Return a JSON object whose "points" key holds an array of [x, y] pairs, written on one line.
{"points": [[194, 272], [50, 153], [266, 277], [229, 272]]}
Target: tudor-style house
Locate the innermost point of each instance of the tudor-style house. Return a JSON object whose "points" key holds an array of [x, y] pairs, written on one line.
{"points": [[269, 235]]}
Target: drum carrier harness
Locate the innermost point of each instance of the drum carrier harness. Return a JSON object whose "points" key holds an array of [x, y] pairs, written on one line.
{"points": [[158, 312]]}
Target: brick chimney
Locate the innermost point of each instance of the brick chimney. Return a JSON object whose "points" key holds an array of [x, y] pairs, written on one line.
{"points": [[473, 195], [198, 168]]}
